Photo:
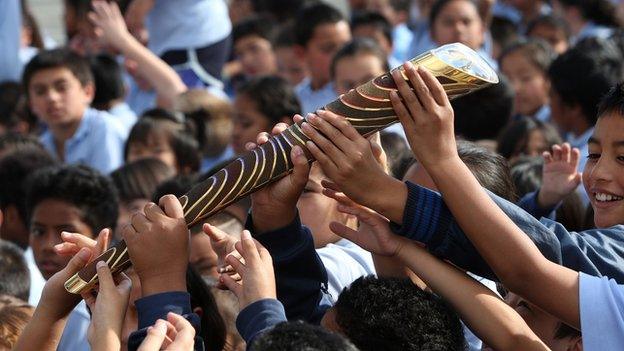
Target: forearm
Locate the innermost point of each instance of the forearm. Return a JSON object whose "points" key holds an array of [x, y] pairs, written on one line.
{"points": [[105, 341], [388, 200], [493, 321], [41, 333], [509, 252]]}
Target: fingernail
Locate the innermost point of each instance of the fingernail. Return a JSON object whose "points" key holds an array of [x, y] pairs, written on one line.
{"points": [[311, 116], [84, 253], [246, 235], [297, 150], [101, 264], [161, 326], [65, 234]]}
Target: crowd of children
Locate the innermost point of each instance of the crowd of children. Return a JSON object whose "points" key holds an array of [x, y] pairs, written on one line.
{"points": [[494, 221]]}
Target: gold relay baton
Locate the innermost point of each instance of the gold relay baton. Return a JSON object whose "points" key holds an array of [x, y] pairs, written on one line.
{"points": [[459, 69]]}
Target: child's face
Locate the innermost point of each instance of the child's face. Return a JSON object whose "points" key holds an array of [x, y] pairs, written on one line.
{"points": [[49, 218], [255, 55], [248, 123], [327, 39], [157, 146], [126, 210], [458, 21], [352, 71], [57, 96], [529, 83], [555, 37], [603, 176], [289, 66], [371, 32]]}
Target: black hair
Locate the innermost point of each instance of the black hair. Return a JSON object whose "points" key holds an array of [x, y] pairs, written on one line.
{"points": [[174, 129], [565, 331], [299, 335], [526, 173], [259, 25], [397, 150], [15, 167], [12, 141], [14, 273], [286, 36], [10, 94], [483, 113], [370, 18], [279, 10], [178, 186], [401, 5], [58, 58], [109, 83], [394, 314], [212, 325], [586, 72], [490, 169], [360, 46], [273, 96], [139, 179], [504, 31], [601, 12], [91, 192], [514, 139], [538, 52], [312, 16], [551, 21], [439, 5], [613, 101]]}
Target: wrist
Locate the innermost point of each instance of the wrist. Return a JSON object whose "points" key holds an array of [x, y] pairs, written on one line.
{"points": [[160, 283], [389, 200], [266, 219]]}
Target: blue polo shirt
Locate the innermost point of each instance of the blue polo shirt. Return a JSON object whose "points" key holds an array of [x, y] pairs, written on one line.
{"points": [[98, 142], [311, 100]]}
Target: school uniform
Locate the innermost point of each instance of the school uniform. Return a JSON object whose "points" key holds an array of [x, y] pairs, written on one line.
{"points": [[123, 114], [310, 99], [37, 282], [259, 317], [597, 252], [98, 142], [592, 30], [402, 38], [74, 337], [602, 313]]}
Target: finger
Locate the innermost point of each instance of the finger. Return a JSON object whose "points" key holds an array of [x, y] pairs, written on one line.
{"points": [[338, 141], [215, 234], [411, 101], [236, 263], [565, 152], [171, 206], [327, 165], [77, 262], [78, 239], [125, 285], [103, 239], [128, 233], [326, 183], [66, 249], [185, 337], [547, 157], [301, 167], [104, 275], [262, 138], [250, 146], [155, 336], [402, 113], [344, 232], [341, 123], [436, 89], [249, 250], [89, 299], [575, 157], [556, 152], [298, 118], [232, 285], [278, 128], [338, 196], [322, 142], [139, 222], [421, 89], [153, 212]]}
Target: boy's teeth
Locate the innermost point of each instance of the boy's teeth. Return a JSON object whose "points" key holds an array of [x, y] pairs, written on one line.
{"points": [[607, 197]]}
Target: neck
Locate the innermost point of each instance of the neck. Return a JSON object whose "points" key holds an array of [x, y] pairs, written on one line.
{"points": [[62, 133], [317, 84]]}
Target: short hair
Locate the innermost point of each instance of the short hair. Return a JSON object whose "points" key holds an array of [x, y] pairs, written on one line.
{"points": [[613, 101], [178, 186], [394, 314], [601, 12], [370, 18], [538, 52], [259, 25], [109, 83], [514, 139], [58, 58], [10, 94], [490, 169], [299, 335], [176, 132], [439, 5], [139, 179], [12, 141], [504, 31], [14, 315], [312, 16], [401, 5], [211, 117], [15, 168], [586, 72], [91, 192], [551, 21], [274, 97], [483, 113], [360, 46], [14, 273], [286, 36], [526, 173]]}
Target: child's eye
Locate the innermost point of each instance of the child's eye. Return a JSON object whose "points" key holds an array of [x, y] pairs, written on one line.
{"points": [[37, 232], [593, 156]]}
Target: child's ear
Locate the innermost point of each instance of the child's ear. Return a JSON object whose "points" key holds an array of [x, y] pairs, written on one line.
{"points": [[89, 90]]}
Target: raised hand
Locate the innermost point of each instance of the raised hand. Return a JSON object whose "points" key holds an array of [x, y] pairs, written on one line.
{"points": [[176, 333], [110, 25], [108, 309], [223, 244], [158, 245], [559, 175], [426, 115], [73, 242], [275, 206], [258, 278]]}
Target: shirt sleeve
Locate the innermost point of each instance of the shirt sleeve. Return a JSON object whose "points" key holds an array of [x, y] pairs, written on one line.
{"points": [[157, 306], [300, 276], [259, 317], [427, 219], [529, 203], [602, 313]]}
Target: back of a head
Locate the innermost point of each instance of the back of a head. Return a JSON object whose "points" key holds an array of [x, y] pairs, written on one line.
{"points": [[586, 72], [526, 173], [91, 192], [58, 58], [10, 142], [14, 273], [373, 19], [108, 78], [490, 169], [602, 12], [139, 179], [312, 16], [10, 94], [483, 113], [394, 314], [550, 21], [14, 315], [288, 336], [274, 97]]}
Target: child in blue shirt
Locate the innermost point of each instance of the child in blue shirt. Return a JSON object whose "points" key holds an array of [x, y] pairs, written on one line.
{"points": [[59, 86]]}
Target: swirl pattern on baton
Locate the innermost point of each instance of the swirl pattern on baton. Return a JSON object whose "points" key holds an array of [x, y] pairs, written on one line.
{"points": [[368, 108]]}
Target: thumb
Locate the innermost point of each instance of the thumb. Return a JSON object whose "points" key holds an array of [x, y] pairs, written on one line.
{"points": [[215, 234], [301, 169], [77, 262]]}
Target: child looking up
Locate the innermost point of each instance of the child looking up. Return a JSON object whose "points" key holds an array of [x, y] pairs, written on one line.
{"points": [[60, 88]]}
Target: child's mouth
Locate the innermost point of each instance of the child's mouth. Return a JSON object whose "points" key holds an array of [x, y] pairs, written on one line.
{"points": [[602, 197]]}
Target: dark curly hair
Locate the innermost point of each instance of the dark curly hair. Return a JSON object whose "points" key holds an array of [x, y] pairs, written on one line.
{"points": [[298, 335], [394, 314], [91, 192]]}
